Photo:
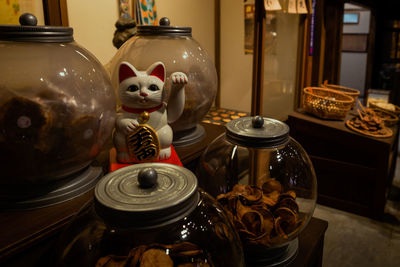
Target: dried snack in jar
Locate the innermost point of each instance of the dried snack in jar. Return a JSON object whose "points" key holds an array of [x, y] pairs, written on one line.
{"points": [[263, 215], [181, 254]]}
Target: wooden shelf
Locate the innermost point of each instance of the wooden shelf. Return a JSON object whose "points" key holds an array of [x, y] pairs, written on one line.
{"points": [[353, 171]]}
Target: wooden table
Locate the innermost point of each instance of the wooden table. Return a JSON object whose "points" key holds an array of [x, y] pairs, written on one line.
{"points": [[27, 236], [353, 170]]}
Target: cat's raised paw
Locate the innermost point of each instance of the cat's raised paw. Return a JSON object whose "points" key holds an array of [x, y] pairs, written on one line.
{"points": [[165, 153], [179, 78]]}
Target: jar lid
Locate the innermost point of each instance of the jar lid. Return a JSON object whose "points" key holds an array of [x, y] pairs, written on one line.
{"points": [[164, 29], [257, 132], [146, 194], [29, 32]]}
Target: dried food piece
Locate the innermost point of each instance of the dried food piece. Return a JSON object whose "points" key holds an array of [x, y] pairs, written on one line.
{"points": [[268, 218], [155, 258], [228, 201], [253, 221], [286, 213], [135, 255], [112, 261], [251, 195], [271, 185], [247, 194], [288, 194], [290, 204], [285, 222], [25, 121], [269, 200]]}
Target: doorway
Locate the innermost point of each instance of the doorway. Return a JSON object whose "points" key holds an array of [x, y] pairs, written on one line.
{"points": [[356, 48]]}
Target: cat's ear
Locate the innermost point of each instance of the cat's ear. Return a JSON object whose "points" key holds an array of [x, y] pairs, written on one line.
{"points": [[158, 70], [126, 71]]}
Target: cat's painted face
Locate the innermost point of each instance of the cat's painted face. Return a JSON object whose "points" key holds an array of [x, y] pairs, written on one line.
{"points": [[141, 89]]}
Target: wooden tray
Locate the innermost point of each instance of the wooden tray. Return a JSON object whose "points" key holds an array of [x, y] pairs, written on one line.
{"points": [[388, 132]]}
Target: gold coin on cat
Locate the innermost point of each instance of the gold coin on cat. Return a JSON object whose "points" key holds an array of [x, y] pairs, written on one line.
{"points": [[144, 117]]}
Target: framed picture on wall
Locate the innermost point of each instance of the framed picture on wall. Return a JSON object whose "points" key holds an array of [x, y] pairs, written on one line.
{"points": [[351, 17]]}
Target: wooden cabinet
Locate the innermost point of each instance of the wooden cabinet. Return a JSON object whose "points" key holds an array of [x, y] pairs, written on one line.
{"points": [[353, 171]]}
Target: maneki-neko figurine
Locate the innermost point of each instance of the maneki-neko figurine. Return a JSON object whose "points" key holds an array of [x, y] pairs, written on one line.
{"points": [[142, 133]]}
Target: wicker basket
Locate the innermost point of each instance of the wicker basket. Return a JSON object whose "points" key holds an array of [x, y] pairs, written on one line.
{"points": [[326, 103], [375, 106], [389, 118], [354, 93]]}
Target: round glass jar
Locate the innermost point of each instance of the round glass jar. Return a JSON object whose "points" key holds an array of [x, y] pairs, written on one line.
{"points": [[266, 183], [175, 47], [57, 105], [150, 213]]}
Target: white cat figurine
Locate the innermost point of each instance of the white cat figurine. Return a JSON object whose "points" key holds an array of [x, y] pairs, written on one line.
{"points": [[142, 132]]}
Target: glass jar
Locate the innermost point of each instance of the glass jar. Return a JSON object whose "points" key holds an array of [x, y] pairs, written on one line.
{"points": [[150, 213], [265, 181], [175, 47], [57, 107]]}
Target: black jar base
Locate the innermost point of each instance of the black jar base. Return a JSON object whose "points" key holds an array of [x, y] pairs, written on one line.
{"points": [[21, 197], [189, 137], [272, 257]]}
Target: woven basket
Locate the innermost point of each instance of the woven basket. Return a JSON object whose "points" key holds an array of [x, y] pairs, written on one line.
{"points": [[326, 103], [389, 118], [354, 93], [396, 112]]}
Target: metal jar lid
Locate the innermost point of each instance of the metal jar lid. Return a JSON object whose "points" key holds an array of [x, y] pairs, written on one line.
{"points": [[257, 132], [29, 32], [146, 195], [164, 29]]}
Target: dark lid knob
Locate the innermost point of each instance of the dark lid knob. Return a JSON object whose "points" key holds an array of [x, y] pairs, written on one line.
{"points": [[147, 178], [165, 21], [164, 29], [28, 19], [257, 132], [258, 122], [28, 31]]}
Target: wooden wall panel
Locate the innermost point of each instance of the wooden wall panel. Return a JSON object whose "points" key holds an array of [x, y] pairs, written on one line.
{"points": [[55, 12]]}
